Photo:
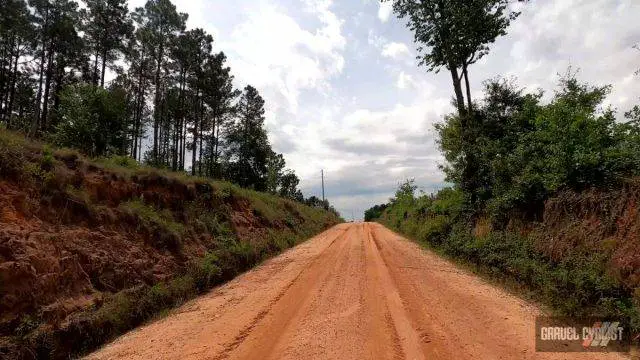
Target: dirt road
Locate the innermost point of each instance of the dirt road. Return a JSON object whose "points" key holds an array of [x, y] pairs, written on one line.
{"points": [[357, 291]]}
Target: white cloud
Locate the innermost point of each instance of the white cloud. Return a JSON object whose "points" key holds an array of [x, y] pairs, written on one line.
{"points": [[405, 81], [385, 10], [331, 86], [395, 50], [275, 53]]}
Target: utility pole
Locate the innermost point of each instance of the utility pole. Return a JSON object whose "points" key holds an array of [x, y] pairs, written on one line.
{"points": [[322, 174]]}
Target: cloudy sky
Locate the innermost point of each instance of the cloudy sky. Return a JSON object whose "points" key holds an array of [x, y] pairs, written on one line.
{"points": [[344, 92]]}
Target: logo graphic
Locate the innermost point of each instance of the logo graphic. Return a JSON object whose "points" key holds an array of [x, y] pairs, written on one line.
{"points": [[601, 334], [562, 334]]}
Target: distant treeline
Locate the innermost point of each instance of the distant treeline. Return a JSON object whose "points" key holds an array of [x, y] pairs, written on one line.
{"points": [[171, 101]]}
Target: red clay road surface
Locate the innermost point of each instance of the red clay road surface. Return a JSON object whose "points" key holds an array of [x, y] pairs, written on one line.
{"points": [[356, 291]]}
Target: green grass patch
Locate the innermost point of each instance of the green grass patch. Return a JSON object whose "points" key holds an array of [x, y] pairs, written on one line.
{"points": [[130, 308], [181, 209], [165, 231], [578, 285]]}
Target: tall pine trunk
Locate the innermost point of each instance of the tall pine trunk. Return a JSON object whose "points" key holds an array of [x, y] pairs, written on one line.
{"points": [[47, 89], [104, 66], [195, 133], [184, 146], [95, 68], [201, 136], [35, 123], [156, 110], [12, 90]]}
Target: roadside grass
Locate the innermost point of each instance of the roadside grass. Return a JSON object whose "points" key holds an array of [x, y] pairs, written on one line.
{"points": [[166, 232], [576, 285], [58, 175], [130, 308]]}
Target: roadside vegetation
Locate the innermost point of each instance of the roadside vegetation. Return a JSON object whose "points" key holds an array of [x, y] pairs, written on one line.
{"points": [[119, 243], [134, 175], [134, 86], [543, 188]]}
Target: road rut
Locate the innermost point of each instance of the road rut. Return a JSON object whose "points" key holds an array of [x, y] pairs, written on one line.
{"points": [[356, 291]]}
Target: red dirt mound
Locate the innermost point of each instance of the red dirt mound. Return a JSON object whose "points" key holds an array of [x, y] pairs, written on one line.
{"points": [[73, 232]]}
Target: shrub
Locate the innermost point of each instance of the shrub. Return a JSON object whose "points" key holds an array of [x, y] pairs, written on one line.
{"points": [[206, 272], [11, 156], [166, 233], [91, 119], [47, 162], [576, 284], [120, 161]]}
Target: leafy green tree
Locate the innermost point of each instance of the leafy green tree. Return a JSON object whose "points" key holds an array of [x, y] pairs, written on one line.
{"points": [[528, 151], [375, 212], [405, 193], [275, 170], [497, 128], [314, 201], [92, 120], [289, 182], [454, 34]]}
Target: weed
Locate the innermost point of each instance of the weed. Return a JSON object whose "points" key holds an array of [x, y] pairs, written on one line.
{"points": [[47, 161], [206, 272], [166, 232], [206, 209], [118, 161], [28, 323], [11, 157], [578, 285]]}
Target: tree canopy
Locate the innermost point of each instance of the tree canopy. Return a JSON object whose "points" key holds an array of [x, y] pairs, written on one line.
{"points": [[108, 81]]}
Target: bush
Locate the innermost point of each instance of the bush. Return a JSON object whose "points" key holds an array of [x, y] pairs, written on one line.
{"points": [[120, 161], [577, 284], [519, 151], [11, 155], [166, 233], [92, 120], [206, 272]]}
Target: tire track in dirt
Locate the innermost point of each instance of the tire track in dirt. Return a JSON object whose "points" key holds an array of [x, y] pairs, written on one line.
{"points": [[409, 339], [261, 336], [357, 291], [205, 327], [347, 317], [245, 332], [457, 314]]}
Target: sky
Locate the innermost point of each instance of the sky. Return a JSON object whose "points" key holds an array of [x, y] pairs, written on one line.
{"points": [[344, 91]]}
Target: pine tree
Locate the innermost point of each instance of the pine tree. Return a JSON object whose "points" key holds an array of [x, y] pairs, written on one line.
{"points": [[108, 26], [220, 96], [162, 23], [60, 49], [16, 41], [248, 144]]}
